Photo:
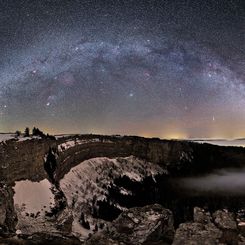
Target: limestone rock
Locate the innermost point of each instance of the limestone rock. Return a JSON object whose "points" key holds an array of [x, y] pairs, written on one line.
{"points": [[225, 220], [197, 234], [146, 225], [220, 228], [64, 221], [201, 216], [7, 213], [40, 239]]}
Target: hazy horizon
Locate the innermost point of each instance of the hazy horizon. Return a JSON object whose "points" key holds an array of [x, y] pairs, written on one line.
{"points": [[149, 136]]}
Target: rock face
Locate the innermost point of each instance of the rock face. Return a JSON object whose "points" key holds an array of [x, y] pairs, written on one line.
{"points": [[225, 220], [151, 224], [75, 150], [197, 234], [25, 159], [220, 228], [41, 239], [8, 216]]}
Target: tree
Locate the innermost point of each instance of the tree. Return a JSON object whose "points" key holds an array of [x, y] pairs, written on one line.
{"points": [[50, 163], [17, 133], [50, 137], [83, 222], [27, 132], [37, 132]]}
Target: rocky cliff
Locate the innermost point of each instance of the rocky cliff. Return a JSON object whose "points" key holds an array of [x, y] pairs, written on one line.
{"points": [[94, 178], [25, 159]]}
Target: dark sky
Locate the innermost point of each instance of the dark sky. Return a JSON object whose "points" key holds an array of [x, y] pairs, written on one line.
{"points": [[151, 68]]}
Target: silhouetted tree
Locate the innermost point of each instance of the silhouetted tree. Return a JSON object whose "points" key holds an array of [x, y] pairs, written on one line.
{"points": [[50, 137], [50, 163], [83, 222], [38, 132], [17, 133], [27, 132], [101, 225]]}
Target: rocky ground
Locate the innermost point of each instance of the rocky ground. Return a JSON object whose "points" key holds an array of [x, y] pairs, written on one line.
{"points": [[152, 225], [220, 227]]}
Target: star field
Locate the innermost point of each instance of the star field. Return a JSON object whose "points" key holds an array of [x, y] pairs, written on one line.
{"points": [[151, 68]]}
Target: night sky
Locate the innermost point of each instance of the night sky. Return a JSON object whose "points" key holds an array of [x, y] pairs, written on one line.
{"points": [[172, 69]]}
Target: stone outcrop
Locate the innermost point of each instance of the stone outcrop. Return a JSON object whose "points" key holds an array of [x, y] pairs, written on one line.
{"points": [[163, 152], [151, 224], [224, 220], [218, 228], [197, 234], [23, 159], [8, 216], [41, 239]]}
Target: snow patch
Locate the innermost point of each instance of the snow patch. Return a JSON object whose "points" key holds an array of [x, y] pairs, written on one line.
{"points": [[238, 142], [125, 192], [241, 223], [33, 197], [5, 137], [33, 201], [92, 177], [71, 143], [88, 182]]}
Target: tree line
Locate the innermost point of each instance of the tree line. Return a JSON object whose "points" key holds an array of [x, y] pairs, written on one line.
{"points": [[35, 132]]}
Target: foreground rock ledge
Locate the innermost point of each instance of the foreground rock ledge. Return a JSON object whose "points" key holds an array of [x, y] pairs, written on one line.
{"points": [[151, 224], [217, 229]]}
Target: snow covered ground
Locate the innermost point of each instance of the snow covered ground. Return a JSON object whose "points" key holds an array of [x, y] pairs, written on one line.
{"points": [[71, 143], [32, 201], [60, 136], [33, 196], [10, 136], [5, 137], [89, 178], [89, 181], [237, 142]]}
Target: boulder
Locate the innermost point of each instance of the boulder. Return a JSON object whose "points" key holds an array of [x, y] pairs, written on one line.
{"points": [[197, 234], [201, 216], [225, 220], [142, 225], [220, 228]]}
